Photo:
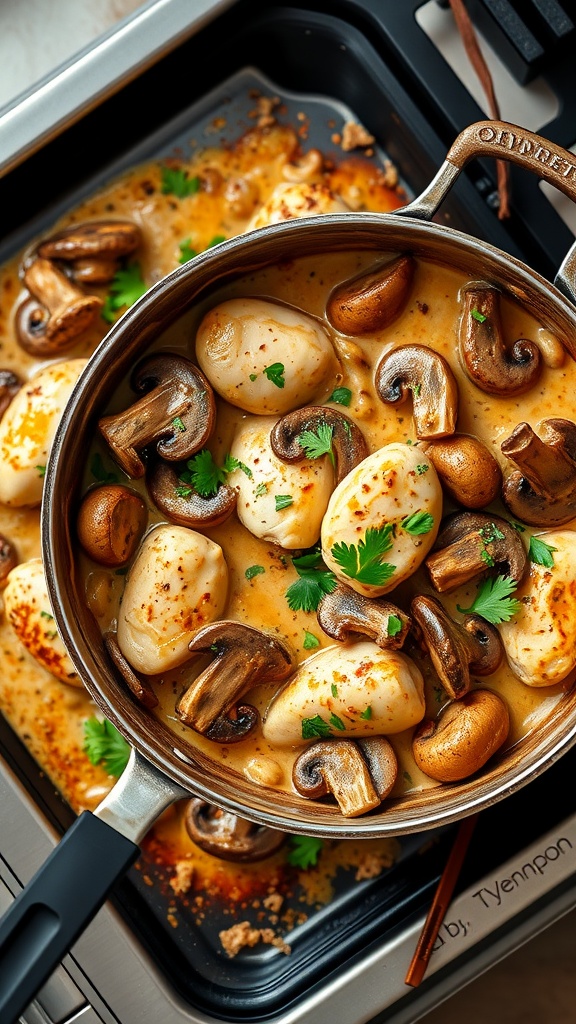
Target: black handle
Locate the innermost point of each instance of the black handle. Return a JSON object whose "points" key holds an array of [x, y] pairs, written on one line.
{"points": [[51, 912]]}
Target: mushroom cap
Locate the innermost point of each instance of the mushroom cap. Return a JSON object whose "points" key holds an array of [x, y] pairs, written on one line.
{"points": [[371, 301], [336, 767], [224, 834], [426, 375], [110, 523], [471, 542], [348, 442], [484, 356], [463, 738], [467, 469]]}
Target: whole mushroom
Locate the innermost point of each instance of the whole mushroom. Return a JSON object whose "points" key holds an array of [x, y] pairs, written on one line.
{"points": [[542, 490], [359, 775], [371, 301], [110, 523], [419, 371], [56, 312], [467, 469], [463, 738], [484, 355], [470, 543]]}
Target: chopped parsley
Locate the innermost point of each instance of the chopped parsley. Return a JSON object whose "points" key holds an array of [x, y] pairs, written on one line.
{"points": [[204, 476], [313, 727], [216, 241], [541, 552], [104, 745], [186, 251], [364, 562], [422, 468], [304, 851], [490, 532], [176, 182], [334, 690], [254, 570], [314, 581], [367, 713], [318, 443], [342, 396], [100, 472], [179, 424], [394, 625], [477, 315], [310, 641], [337, 723], [418, 523], [415, 389], [275, 374], [283, 501], [260, 490], [493, 601], [47, 615], [41, 470], [126, 287], [253, 377]]}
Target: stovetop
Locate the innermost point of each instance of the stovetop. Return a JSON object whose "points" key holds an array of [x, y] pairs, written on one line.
{"points": [[386, 62]]}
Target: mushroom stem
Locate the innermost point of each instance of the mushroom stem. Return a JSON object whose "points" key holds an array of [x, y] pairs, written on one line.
{"points": [[244, 656], [344, 613], [543, 490], [348, 441], [71, 311], [336, 767], [487, 362], [471, 542], [426, 375], [457, 650], [192, 510], [177, 413]]}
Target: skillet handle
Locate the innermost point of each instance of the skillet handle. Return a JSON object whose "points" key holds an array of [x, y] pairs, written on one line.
{"points": [[49, 915], [504, 141]]}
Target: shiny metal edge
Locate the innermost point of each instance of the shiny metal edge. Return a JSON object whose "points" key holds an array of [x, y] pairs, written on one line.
{"points": [[51, 105], [125, 984]]}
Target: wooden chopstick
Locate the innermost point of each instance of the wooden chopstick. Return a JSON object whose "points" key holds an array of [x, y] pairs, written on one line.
{"points": [[441, 902]]}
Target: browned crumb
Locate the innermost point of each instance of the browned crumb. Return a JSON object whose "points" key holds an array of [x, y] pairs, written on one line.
{"points": [[354, 136], [390, 174], [273, 902], [264, 110], [182, 880], [372, 865], [243, 934]]}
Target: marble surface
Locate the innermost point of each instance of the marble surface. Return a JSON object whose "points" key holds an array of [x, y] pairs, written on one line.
{"points": [[537, 983]]}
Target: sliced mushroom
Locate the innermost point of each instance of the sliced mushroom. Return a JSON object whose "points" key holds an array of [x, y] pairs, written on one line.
{"points": [[110, 524], [371, 301], [94, 249], [140, 688], [425, 374], [10, 385], [56, 314], [542, 491], [225, 835], [471, 542], [192, 509], [177, 413], [8, 559], [468, 471], [456, 650], [486, 359], [463, 738], [348, 443], [344, 613], [339, 767], [244, 656]]}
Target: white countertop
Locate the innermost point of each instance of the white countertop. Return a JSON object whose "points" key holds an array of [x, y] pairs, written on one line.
{"points": [[535, 985]]}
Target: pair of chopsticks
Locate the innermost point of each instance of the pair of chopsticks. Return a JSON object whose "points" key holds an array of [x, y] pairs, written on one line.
{"points": [[441, 902]]}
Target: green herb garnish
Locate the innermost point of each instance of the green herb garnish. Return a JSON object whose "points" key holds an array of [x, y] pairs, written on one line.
{"points": [[186, 251], [47, 615], [103, 744], [342, 396], [310, 641], [254, 570], [304, 851], [314, 581], [283, 501], [318, 443], [275, 374], [394, 625], [313, 727], [204, 476], [541, 552], [179, 424], [418, 523], [126, 287], [260, 490], [477, 315], [176, 182], [367, 713], [216, 241], [41, 470], [99, 471], [363, 562], [334, 690], [422, 468], [337, 723], [493, 601]]}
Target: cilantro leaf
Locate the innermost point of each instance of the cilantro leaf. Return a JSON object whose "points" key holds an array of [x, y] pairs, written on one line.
{"points": [[310, 641], [254, 570], [126, 287], [314, 581], [176, 182], [337, 722], [275, 374], [304, 851], [493, 601], [103, 744], [363, 562], [418, 523], [316, 726], [367, 713], [231, 463], [541, 552], [342, 396], [203, 473], [319, 443], [394, 625]]}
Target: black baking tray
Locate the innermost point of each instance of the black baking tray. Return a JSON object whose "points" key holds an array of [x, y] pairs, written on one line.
{"points": [[340, 51]]}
